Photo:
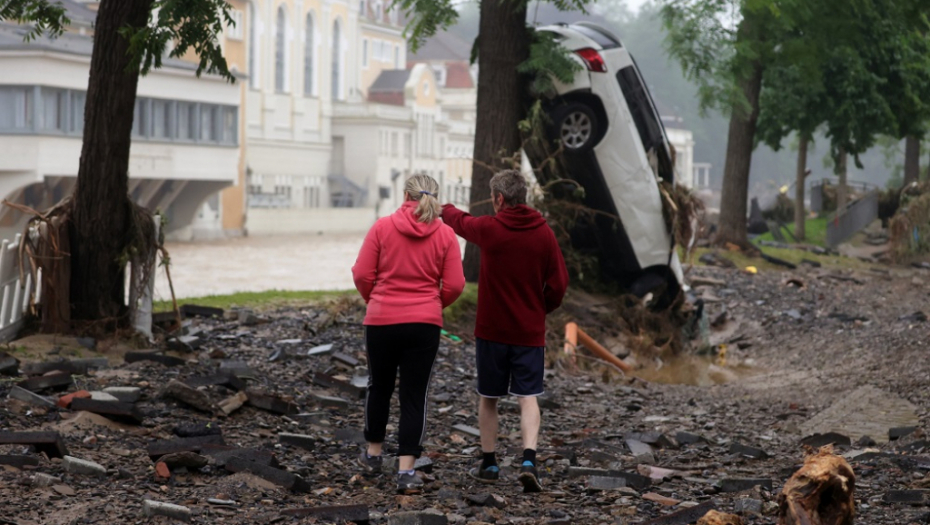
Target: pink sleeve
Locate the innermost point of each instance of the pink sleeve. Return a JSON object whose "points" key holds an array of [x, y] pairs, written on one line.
{"points": [[365, 271], [453, 277]]}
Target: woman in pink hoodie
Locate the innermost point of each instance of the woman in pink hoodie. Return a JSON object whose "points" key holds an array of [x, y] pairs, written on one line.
{"points": [[408, 270]]}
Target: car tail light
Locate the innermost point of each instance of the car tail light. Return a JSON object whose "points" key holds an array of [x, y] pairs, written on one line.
{"points": [[592, 59]]}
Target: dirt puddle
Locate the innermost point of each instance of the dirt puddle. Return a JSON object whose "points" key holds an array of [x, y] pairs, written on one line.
{"points": [[695, 371]]}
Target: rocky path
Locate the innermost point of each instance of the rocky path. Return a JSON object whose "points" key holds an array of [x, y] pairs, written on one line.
{"points": [[841, 352]]}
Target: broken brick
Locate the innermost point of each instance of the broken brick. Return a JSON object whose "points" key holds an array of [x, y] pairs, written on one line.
{"points": [[9, 365], [56, 380], [162, 470], [65, 400], [328, 381], [336, 513], [190, 396], [117, 411], [830, 438], [184, 460], [331, 402], [741, 484], [277, 476], [19, 461], [297, 440], [750, 452], [418, 517], [193, 310], [660, 499], [50, 443], [224, 379], [156, 449], [344, 359], [196, 429], [271, 403], [682, 517], [222, 453], [155, 357], [238, 369]]}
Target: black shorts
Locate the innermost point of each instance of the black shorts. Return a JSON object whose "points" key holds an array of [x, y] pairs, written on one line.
{"points": [[509, 369]]}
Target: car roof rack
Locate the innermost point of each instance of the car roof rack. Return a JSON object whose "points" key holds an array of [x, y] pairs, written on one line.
{"points": [[602, 30]]}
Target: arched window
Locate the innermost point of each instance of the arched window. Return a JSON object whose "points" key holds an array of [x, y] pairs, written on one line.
{"points": [[254, 73], [337, 63], [280, 61], [309, 35]]}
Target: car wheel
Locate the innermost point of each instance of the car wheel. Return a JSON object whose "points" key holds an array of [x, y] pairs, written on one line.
{"points": [[575, 125]]}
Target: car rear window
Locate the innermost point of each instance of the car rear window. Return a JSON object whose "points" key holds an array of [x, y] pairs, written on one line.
{"points": [[601, 37], [650, 129]]}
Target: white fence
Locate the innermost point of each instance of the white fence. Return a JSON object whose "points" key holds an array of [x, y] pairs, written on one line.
{"points": [[17, 289]]}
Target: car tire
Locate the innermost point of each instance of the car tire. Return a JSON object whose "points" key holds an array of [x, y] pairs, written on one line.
{"points": [[575, 126]]}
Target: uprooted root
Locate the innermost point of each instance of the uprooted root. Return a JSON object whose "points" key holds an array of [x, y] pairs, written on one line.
{"points": [[820, 493], [714, 517]]}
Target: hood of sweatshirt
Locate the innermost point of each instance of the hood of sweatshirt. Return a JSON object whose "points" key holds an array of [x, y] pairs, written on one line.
{"points": [[520, 217], [407, 223]]}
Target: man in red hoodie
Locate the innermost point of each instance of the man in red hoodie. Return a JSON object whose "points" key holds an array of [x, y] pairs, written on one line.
{"points": [[522, 278]]}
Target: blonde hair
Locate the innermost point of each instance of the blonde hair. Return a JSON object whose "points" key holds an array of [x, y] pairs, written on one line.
{"points": [[425, 190]]}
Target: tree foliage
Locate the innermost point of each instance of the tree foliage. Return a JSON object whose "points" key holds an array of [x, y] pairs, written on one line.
{"points": [[44, 17], [187, 26]]}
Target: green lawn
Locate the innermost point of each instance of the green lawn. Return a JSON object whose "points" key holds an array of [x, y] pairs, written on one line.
{"points": [[257, 300], [467, 302], [815, 232]]}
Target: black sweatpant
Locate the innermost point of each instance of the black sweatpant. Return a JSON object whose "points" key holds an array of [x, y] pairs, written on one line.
{"points": [[410, 347]]}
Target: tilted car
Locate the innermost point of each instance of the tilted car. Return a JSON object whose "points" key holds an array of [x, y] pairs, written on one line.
{"points": [[616, 147]]}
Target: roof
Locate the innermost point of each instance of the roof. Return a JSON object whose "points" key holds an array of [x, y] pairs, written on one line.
{"points": [[390, 81], [78, 13], [442, 46], [458, 76], [11, 39]]}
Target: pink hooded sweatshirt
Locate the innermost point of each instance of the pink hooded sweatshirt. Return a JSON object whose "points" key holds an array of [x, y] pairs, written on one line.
{"points": [[408, 271]]}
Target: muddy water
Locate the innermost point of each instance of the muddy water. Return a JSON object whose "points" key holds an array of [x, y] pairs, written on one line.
{"points": [[694, 370]]}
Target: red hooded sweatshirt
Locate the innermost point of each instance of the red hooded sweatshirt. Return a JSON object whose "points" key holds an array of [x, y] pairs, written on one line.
{"points": [[522, 276], [408, 271]]}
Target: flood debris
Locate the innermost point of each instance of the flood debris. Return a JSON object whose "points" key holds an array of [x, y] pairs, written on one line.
{"points": [[719, 518], [821, 492]]}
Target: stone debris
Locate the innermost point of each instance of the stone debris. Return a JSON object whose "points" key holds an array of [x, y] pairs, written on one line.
{"points": [[169, 510], [335, 513], [49, 443], [420, 517], [190, 396], [116, 410], [54, 380], [233, 403], [21, 394], [83, 467], [718, 518], [155, 357], [126, 394]]}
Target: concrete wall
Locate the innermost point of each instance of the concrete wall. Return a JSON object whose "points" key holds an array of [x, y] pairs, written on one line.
{"points": [[294, 220]]}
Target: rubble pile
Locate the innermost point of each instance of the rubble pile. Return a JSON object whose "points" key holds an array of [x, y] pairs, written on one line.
{"points": [[256, 418]]}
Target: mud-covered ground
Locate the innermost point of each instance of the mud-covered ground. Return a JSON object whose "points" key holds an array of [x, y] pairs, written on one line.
{"points": [[842, 352]]}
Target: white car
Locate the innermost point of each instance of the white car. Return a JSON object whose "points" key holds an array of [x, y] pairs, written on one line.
{"points": [[616, 147]]}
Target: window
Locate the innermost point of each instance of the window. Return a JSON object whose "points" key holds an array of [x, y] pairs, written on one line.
{"points": [[396, 57], [337, 63], [379, 11], [161, 121], [308, 56], [365, 53], [363, 8], [230, 129], [16, 108], [54, 109], [77, 112], [394, 152], [187, 121], [407, 145], [208, 122], [140, 118], [426, 88], [440, 71], [280, 79], [234, 30], [253, 48]]}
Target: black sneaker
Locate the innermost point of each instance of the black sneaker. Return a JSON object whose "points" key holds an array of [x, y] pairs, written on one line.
{"points": [[486, 475], [409, 484], [371, 465], [529, 478]]}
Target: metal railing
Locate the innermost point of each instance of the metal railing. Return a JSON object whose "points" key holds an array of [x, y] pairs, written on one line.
{"points": [[843, 224]]}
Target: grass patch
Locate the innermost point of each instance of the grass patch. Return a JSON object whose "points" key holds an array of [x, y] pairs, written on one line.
{"points": [[257, 300], [815, 232], [464, 306]]}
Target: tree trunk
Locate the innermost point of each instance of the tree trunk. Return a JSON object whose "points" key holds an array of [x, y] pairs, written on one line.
{"points": [[800, 213], [841, 188], [911, 159], [739, 159], [503, 44], [101, 206]]}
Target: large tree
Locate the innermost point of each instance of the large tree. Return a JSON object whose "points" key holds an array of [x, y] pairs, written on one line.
{"points": [[726, 47], [130, 38], [502, 50]]}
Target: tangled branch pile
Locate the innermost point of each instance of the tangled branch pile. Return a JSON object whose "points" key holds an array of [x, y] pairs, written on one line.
{"points": [[910, 227]]}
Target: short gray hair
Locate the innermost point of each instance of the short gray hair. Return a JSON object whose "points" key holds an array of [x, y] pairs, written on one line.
{"points": [[511, 184]]}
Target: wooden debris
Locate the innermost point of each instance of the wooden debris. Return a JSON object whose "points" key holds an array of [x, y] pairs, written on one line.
{"points": [[718, 518], [190, 396], [820, 493]]}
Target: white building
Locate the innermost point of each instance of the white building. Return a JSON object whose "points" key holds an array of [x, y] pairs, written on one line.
{"points": [[185, 136]]}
